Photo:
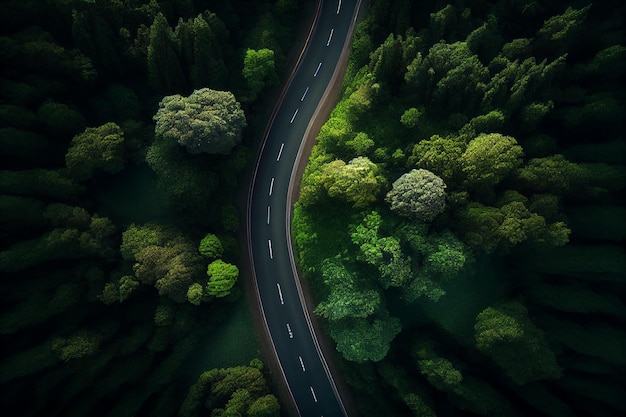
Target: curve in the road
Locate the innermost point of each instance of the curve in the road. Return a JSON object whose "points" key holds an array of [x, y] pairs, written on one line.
{"points": [[280, 297]]}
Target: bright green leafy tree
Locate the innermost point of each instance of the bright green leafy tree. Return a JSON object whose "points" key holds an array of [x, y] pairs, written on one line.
{"points": [[222, 278]]}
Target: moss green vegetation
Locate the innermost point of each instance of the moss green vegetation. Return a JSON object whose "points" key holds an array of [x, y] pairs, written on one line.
{"points": [[461, 216], [123, 131]]}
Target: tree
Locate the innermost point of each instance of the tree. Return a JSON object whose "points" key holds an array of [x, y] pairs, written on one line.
{"points": [[553, 174], [195, 293], [411, 117], [440, 156], [136, 238], [96, 148], [489, 158], [222, 278], [358, 182], [439, 371], [211, 246], [208, 121], [362, 340], [384, 252], [80, 345], [259, 70], [346, 298], [165, 73], [557, 30], [417, 406], [506, 333], [266, 406], [418, 194]]}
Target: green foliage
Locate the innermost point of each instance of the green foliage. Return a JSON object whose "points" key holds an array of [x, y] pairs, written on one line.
{"points": [[417, 406], [211, 246], [361, 340], [164, 68], [75, 236], [80, 345], [557, 30], [163, 258], [553, 174], [411, 117], [418, 194], [489, 158], [346, 298], [208, 121], [259, 70], [506, 333], [222, 278], [439, 155], [136, 238], [358, 182], [384, 252], [96, 148], [185, 181], [266, 406], [41, 183], [195, 293], [439, 371]]}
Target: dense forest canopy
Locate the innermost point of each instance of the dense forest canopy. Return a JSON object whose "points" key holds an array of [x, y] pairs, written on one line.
{"points": [[461, 218], [124, 127]]}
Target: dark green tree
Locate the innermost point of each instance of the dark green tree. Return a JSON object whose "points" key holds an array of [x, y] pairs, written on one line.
{"points": [[164, 69], [506, 333], [99, 148]]}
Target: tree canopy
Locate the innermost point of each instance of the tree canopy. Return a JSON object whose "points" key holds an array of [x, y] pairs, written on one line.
{"points": [[418, 194], [207, 121]]}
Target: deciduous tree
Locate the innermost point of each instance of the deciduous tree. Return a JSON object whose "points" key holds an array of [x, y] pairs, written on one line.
{"points": [[506, 333], [418, 194], [97, 148], [208, 121]]}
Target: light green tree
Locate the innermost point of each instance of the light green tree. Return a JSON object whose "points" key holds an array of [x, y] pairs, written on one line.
{"points": [[195, 293], [222, 278], [211, 246], [489, 158], [259, 70], [358, 182], [418, 194], [440, 156], [346, 298], [208, 121]]}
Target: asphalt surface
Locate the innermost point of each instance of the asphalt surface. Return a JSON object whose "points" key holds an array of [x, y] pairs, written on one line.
{"points": [[301, 360]]}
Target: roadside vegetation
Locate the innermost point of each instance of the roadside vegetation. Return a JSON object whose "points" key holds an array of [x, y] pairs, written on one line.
{"points": [[124, 128], [461, 218]]}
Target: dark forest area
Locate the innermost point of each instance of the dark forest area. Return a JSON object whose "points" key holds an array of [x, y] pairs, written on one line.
{"points": [[121, 293], [462, 216]]}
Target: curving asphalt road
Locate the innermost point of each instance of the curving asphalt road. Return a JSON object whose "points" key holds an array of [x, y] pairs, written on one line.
{"points": [[280, 296]]}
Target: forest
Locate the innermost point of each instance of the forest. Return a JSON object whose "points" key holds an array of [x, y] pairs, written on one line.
{"points": [[462, 218], [126, 127]]}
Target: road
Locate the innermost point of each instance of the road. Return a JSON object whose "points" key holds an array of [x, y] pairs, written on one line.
{"points": [[285, 315]]}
